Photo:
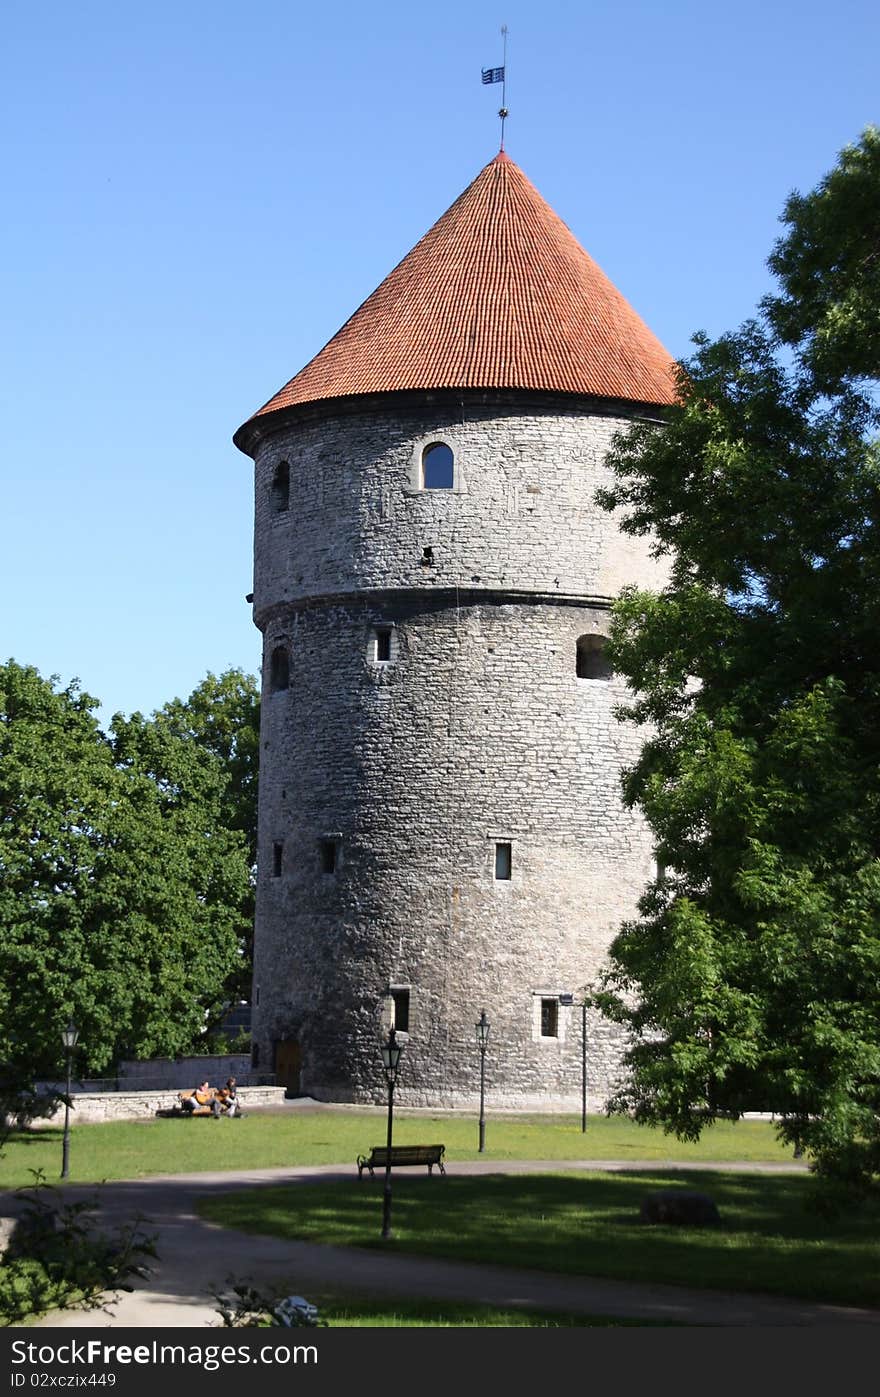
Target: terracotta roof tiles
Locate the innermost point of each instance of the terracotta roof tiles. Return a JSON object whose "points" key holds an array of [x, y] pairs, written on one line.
{"points": [[498, 294]]}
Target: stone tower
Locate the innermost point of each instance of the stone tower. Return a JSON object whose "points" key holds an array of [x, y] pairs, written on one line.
{"points": [[441, 829]]}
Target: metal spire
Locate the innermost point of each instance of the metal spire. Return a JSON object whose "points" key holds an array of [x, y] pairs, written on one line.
{"points": [[500, 75], [502, 110]]}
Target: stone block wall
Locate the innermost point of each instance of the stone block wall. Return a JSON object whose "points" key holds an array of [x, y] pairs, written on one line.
{"points": [[407, 772], [521, 515], [182, 1072], [91, 1108]]}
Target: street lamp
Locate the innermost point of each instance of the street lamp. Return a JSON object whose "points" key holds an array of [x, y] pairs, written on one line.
{"points": [[482, 1028], [583, 1066], [570, 999], [69, 1037], [391, 1055]]}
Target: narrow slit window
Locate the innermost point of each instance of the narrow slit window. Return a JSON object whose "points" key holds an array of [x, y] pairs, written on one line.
{"points": [[383, 645], [503, 862], [281, 488], [279, 669], [277, 857], [329, 854], [549, 1018], [438, 467], [400, 1010]]}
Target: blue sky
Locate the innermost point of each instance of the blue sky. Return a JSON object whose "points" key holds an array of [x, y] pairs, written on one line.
{"points": [[197, 196]]}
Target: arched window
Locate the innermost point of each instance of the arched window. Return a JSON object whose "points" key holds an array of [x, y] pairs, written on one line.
{"points": [[438, 467], [592, 662], [281, 488], [279, 669]]}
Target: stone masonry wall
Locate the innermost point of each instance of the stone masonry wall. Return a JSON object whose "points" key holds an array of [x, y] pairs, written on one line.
{"points": [[183, 1072], [521, 515], [476, 731], [89, 1108]]}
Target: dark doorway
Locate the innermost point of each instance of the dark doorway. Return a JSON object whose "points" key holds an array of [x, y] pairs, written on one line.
{"points": [[288, 1060]]}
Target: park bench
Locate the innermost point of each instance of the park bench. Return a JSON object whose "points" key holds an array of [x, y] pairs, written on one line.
{"points": [[401, 1155], [176, 1112]]}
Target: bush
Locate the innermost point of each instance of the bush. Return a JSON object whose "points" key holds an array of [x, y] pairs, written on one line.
{"points": [[21, 1103], [58, 1260]]}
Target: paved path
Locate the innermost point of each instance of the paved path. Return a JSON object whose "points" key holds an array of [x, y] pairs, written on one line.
{"points": [[195, 1256]]}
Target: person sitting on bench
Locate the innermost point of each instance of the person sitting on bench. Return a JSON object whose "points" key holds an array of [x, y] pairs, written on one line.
{"points": [[201, 1097], [227, 1098]]}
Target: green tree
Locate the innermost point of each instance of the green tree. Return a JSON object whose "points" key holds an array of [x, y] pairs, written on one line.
{"points": [[120, 885], [751, 978], [828, 266], [222, 717]]}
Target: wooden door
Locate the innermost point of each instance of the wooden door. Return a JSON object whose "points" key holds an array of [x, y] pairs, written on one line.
{"points": [[288, 1058]]}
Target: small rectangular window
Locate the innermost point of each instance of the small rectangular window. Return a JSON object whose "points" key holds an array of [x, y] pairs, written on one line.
{"points": [[549, 1018], [279, 669], [281, 488], [400, 1010], [277, 856], [503, 862], [329, 852], [383, 646]]}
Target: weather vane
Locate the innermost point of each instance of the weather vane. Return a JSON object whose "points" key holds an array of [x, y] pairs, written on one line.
{"points": [[500, 75]]}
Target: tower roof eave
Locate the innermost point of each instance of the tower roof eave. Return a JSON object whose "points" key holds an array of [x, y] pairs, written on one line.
{"points": [[264, 425]]}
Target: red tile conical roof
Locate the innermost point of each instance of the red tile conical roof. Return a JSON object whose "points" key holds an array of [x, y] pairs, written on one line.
{"points": [[498, 294]]}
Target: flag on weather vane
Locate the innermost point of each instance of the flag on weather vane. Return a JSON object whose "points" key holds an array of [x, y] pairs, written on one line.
{"points": [[500, 75]]}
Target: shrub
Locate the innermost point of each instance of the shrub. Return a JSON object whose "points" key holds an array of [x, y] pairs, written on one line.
{"points": [[57, 1259]]}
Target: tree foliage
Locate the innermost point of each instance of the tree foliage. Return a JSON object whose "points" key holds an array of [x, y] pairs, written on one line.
{"points": [[221, 718], [121, 882], [222, 715], [828, 265], [751, 978]]}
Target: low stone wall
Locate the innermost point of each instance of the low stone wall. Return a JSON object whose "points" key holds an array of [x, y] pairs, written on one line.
{"points": [[89, 1107]]}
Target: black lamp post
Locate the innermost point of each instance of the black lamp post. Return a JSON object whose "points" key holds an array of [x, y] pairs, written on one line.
{"points": [[583, 1066], [391, 1054], [570, 999], [482, 1028], [69, 1037]]}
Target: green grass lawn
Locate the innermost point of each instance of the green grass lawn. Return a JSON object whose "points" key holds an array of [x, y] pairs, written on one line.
{"points": [[134, 1149], [588, 1224]]}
